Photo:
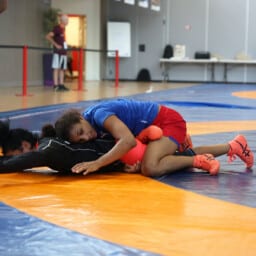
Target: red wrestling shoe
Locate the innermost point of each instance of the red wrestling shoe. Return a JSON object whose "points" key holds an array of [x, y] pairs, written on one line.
{"points": [[239, 147], [207, 162]]}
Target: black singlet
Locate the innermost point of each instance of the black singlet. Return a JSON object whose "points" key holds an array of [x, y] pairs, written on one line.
{"points": [[59, 155]]}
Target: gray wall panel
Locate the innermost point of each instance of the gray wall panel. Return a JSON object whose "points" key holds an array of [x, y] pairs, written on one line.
{"points": [[227, 27], [227, 34], [150, 35], [185, 13], [190, 13], [21, 24], [251, 46]]}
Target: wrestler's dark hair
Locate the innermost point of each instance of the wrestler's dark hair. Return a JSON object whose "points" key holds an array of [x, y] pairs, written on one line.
{"points": [[11, 139], [4, 131], [48, 131], [64, 124]]}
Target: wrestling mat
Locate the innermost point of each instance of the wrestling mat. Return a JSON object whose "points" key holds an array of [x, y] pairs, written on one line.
{"points": [[113, 213]]}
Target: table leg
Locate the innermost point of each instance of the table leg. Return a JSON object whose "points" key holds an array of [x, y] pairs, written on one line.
{"points": [[213, 72], [165, 75], [225, 73]]}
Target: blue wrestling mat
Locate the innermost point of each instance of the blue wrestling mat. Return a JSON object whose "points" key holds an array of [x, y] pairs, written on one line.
{"points": [[23, 234], [29, 236], [197, 103]]}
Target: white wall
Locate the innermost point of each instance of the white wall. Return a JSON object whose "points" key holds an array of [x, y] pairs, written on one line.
{"points": [[91, 9]]}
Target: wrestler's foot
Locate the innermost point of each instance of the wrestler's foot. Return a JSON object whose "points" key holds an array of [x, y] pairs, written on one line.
{"points": [[186, 144], [239, 147], [207, 162], [150, 133]]}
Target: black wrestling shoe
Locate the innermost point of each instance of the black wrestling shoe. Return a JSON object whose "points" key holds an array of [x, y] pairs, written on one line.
{"points": [[62, 87], [55, 88]]}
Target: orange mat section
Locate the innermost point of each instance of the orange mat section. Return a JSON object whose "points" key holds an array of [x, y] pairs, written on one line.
{"points": [[133, 210], [196, 128], [246, 94]]}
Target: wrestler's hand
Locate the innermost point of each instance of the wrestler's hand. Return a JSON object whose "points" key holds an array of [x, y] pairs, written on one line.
{"points": [[133, 168], [86, 167]]}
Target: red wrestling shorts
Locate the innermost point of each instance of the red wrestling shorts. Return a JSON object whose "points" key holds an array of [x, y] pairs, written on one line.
{"points": [[172, 124]]}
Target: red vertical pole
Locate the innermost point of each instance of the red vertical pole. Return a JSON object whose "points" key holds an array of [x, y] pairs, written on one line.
{"points": [[80, 75], [25, 70], [117, 69]]}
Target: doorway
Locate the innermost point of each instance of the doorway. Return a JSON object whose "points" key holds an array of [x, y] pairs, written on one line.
{"points": [[76, 38]]}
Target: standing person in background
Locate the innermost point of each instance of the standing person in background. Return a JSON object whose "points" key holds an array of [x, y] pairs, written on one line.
{"points": [[3, 5], [59, 61]]}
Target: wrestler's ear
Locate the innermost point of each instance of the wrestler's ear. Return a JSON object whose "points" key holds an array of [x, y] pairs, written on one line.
{"points": [[4, 131], [26, 146]]}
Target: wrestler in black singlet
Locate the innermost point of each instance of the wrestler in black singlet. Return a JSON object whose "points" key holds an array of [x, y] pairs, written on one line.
{"points": [[59, 155]]}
